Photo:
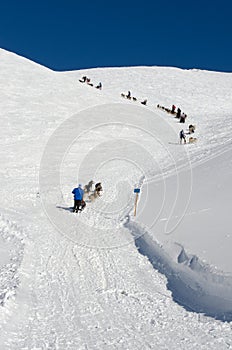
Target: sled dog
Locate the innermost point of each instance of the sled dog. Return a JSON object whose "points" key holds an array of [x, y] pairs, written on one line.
{"points": [[192, 139]]}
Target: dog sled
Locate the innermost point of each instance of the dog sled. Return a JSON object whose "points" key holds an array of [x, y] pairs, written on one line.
{"points": [[128, 97]]}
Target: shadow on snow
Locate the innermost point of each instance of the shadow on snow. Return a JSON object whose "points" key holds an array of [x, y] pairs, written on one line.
{"points": [[192, 283]]}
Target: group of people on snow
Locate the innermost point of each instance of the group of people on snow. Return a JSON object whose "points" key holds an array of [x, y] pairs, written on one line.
{"points": [[178, 114], [129, 97], [181, 116], [80, 193], [86, 80]]}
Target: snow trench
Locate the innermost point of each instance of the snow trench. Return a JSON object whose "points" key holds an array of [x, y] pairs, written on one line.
{"points": [[194, 285]]}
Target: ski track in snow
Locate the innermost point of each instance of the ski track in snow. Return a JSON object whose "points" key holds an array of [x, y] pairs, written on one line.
{"points": [[58, 293]]}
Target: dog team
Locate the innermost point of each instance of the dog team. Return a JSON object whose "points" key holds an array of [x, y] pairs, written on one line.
{"points": [[178, 114], [80, 195], [181, 116], [86, 80], [183, 134], [129, 97]]}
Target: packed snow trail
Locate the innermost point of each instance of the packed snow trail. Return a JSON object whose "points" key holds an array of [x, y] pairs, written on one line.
{"points": [[85, 286], [66, 306]]}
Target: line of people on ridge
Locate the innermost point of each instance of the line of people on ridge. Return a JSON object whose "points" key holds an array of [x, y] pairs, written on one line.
{"points": [[129, 97], [86, 80], [177, 112], [80, 194], [181, 116]]}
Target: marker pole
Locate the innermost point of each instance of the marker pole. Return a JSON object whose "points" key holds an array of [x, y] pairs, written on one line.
{"points": [[136, 202]]}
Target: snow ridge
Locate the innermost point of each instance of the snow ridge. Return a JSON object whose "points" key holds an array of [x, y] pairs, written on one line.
{"points": [[193, 284]]}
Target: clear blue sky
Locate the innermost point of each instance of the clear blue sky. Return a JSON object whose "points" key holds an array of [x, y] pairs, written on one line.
{"points": [[73, 34]]}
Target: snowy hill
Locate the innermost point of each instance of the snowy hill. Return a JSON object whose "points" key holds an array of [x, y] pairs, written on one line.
{"points": [[104, 279]]}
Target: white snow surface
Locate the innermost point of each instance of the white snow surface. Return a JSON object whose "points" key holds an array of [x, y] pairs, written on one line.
{"points": [[104, 278]]}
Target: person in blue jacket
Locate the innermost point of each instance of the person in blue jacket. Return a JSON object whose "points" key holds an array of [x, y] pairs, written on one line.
{"points": [[78, 197]]}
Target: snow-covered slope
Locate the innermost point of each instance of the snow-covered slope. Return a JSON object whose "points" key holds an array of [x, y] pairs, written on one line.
{"points": [[105, 279]]}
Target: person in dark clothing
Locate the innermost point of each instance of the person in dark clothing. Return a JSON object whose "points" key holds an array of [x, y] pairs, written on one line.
{"points": [[83, 79], [173, 109], [182, 136], [99, 86], [178, 113], [78, 197], [77, 205], [128, 95], [182, 118]]}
